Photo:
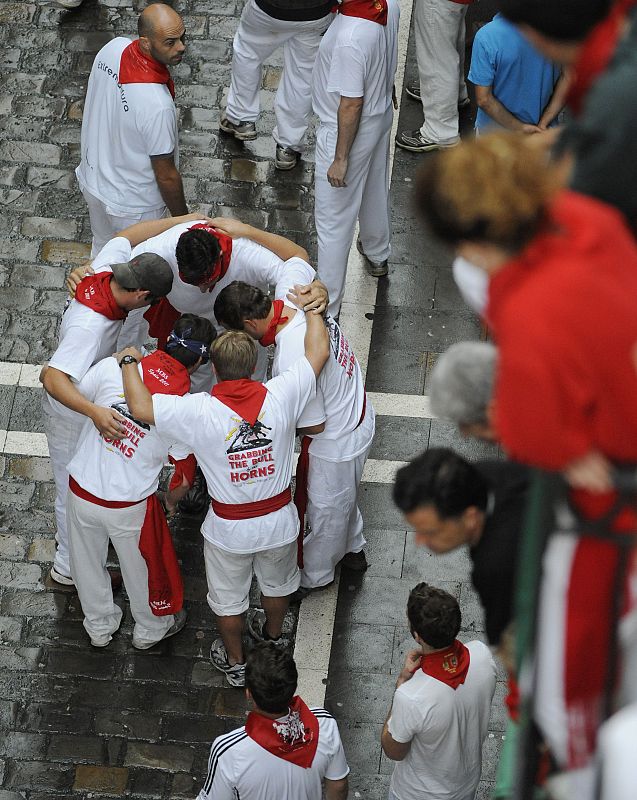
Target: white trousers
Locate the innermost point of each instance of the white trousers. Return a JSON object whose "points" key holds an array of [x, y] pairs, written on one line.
{"points": [[366, 198], [105, 225], [257, 37], [439, 31], [61, 436], [334, 517], [90, 527]]}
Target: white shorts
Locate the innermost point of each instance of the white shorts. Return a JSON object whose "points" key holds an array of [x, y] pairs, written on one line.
{"points": [[229, 576]]}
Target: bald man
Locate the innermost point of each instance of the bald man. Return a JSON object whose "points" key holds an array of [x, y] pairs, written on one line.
{"points": [[129, 168]]}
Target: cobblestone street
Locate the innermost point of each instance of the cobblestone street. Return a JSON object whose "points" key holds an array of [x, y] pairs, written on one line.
{"points": [[77, 722]]}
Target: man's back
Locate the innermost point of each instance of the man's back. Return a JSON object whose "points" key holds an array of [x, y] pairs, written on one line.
{"points": [[446, 727]]}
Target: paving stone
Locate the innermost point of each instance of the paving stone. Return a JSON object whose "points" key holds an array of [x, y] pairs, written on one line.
{"points": [[38, 276], [51, 176], [31, 467], [399, 438], [365, 700], [74, 748], [362, 648], [161, 668], [23, 83], [39, 774], [244, 169], [200, 96], [17, 201], [14, 575], [8, 713], [12, 546], [159, 756], [361, 741], [49, 717], [22, 128], [146, 782], [14, 494], [185, 786], [128, 724], [99, 666], [111, 780], [201, 728], [57, 252], [10, 175], [10, 631], [18, 297], [46, 226], [385, 552], [15, 744]]}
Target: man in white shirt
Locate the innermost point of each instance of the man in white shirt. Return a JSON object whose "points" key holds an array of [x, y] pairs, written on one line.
{"points": [[242, 436], [129, 144], [285, 751], [337, 427], [90, 326], [440, 713], [352, 90]]}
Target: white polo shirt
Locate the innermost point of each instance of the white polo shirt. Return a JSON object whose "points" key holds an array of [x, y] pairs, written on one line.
{"points": [[340, 392], [446, 728], [357, 58], [243, 465], [124, 470], [239, 767], [87, 337], [122, 127]]}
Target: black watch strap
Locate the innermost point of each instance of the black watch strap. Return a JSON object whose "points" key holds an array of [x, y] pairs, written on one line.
{"points": [[128, 360]]}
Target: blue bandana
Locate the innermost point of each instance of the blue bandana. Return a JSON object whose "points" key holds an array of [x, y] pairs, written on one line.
{"points": [[199, 348]]}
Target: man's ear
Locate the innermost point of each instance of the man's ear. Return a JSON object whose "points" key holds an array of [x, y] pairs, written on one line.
{"points": [[142, 294], [144, 45], [250, 325]]}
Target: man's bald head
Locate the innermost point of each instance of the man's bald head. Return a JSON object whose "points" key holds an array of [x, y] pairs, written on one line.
{"points": [[161, 33]]}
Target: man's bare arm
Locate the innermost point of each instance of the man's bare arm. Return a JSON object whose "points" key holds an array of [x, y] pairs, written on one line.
{"points": [[169, 183], [349, 117], [557, 100], [487, 101], [317, 343], [336, 790], [138, 399], [279, 245], [397, 751]]}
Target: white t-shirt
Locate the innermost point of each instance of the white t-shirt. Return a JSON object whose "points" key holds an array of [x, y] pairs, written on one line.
{"points": [[87, 337], [125, 470], [357, 58], [618, 755], [243, 464], [122, 127], [446, 728], [340, 392], [239, 767]]}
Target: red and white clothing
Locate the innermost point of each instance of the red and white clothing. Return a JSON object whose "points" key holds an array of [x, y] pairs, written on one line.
{"points": [[446, 727], [124, 124], [86, 337], [121, 471], [337, 455], [357, 58], [240, 767]]}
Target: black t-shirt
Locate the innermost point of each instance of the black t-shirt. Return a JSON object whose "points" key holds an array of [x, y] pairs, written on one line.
{"points": [[495, 557]]}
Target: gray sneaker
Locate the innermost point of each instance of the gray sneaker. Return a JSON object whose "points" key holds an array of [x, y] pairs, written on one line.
{"points": [[377, 269], [236, 674], [244, 131], [285, 157], [178, 624], [255, 623]]}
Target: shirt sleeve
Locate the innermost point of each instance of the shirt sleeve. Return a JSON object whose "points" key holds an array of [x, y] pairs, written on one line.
{"points": [[219, 784], [159, 131], [406, 718], [347, 72], [76, 352], [179, 451], [178, 418], [314, 412], [482, 69], [297, 385], [337, 767], [116, 251], [289, 273]]}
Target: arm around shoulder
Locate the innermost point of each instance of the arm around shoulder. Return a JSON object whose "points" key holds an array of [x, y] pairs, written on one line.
{"points": [[317, 343]]}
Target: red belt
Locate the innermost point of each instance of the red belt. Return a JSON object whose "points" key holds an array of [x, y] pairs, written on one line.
{"points": [[77, 490], [249, 510]]}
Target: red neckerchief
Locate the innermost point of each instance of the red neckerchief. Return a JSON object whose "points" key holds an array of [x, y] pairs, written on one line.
{"points": [[268, 337], [293, 738], [373, 10], [219, 269], [135, 67], [596, 52], [165, 586], [163, 374], [161, 319], [449, 666], [95, 292], [244, 397]]}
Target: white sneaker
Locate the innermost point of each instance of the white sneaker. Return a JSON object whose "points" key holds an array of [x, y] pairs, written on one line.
{"points": [[101, 641], [58, 577], [178, 624], [235, 674], [68, 4]]}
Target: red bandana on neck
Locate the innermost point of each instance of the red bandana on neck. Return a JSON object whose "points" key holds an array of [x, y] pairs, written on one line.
{"points": [[293, 738], [244, 397], [163, 374], [218, 270], [95, 292], [268, 337], [373, 10], [135, 67], [449, 666]]}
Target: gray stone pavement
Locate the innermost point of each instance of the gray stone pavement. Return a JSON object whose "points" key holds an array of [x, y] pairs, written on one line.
{"points": [[76, 722]]}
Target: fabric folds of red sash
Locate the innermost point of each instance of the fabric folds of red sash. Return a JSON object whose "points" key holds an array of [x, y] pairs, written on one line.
{"points": [[268, 337], [163, 374], [449, 666], [136, 67], [293, 738], [373, 10], [218, 270], [94, 291], [184, 470], [165, 586], [161, 320], [300, 492], [244, 397]]}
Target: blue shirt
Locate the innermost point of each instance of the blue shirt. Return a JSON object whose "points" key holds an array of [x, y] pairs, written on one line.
{"points": [[519, 77]]}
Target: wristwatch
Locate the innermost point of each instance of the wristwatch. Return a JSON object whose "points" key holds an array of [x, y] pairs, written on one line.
{"points": [[128, 360]]}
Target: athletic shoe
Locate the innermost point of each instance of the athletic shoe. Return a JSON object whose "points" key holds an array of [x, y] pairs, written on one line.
{"points": [[285, 157], [377, 269], [59, 577], [66, 3], [416, 143], [255, 623], [244, 131], [101, 641], [178, 624], [355, 561], [412, 89], [235, 674]]}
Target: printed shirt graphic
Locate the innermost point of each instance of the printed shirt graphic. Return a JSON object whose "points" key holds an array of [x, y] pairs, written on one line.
{"points": [[122, 127], [243, 463], [121, 470]]}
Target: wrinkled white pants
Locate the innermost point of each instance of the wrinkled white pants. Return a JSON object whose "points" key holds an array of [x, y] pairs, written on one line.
{"points": [[257, 37]]}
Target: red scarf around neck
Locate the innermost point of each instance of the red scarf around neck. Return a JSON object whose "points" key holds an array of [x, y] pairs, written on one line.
{"points": [[94, 291], [244, 397], [219, 269], [268, 337], [163, 374], [449, 666], [373, 10], [293, 738], [136, 67]]}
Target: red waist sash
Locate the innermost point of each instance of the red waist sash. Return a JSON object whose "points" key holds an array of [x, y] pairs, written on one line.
{"points": [[77, 490], [249, 510]]}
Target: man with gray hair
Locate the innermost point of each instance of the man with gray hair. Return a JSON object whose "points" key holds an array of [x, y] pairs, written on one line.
{"points": [[461, 388]]}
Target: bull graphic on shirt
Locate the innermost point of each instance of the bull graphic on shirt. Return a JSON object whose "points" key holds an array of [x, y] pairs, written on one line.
{"points": [[248, 436], [292, 730]]}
